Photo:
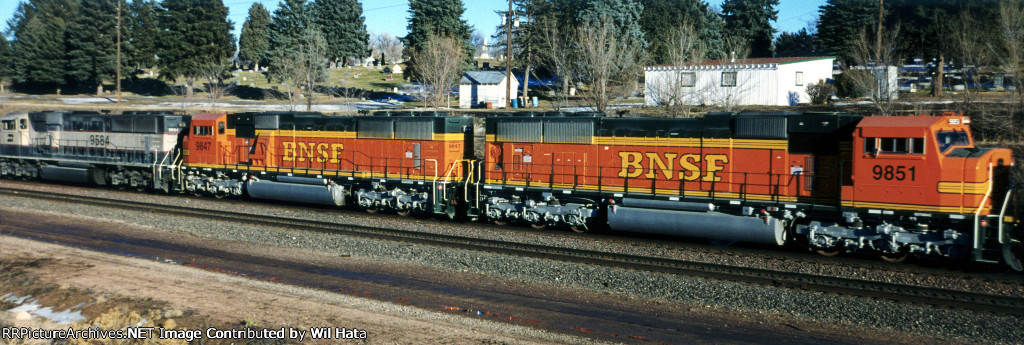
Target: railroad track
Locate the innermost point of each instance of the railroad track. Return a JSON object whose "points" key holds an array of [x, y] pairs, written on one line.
{"points": [[1001, 305]]}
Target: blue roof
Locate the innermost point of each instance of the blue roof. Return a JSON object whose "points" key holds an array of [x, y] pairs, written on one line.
{"points": [[482, 77]]}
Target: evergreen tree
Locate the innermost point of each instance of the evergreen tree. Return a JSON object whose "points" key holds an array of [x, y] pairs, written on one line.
{"points": [[254, 40], [926, 27], [39, 28], [661, 17], [344, 27], [196, 36], [840, 23], [140, 34], [800, 43], [6, 68], [751, 21], [437, 18], [286, 28], [92, 44], [625, 14]]}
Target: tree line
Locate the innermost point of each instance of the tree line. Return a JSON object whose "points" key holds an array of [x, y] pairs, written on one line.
{"points": [[600, 45], [69, 43]]}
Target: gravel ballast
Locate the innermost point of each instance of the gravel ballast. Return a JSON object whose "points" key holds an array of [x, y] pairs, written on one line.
{"points": [[699, 293]]}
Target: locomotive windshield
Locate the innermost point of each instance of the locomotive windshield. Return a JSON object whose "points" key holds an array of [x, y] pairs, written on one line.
{"points": [[948, 139]]}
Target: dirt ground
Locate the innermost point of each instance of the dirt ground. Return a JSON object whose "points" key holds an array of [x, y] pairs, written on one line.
{"points": [[114, 292]]}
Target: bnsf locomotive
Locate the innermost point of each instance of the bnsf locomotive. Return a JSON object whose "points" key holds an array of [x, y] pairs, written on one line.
{"points": [[896, 186]]}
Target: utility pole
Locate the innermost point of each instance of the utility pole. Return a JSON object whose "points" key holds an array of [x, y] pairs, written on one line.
{"points": [[878, 49], [118, 51], [508, 56]]}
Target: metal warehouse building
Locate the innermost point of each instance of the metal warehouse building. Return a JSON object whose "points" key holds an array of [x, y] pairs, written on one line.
{"points": [[758, 81]]}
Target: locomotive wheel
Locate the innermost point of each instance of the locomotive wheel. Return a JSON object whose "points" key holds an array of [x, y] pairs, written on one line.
{"points": [[539, 226], [827, 252], [895, 258], [404, 213], [579, 229], [1013, 254], [499, 222], [372, 210]]}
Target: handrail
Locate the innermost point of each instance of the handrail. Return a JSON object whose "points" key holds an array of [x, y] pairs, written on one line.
{"points": [[469, 178], [1002, 214], [433, 184], [447, 176], [981, 205]]}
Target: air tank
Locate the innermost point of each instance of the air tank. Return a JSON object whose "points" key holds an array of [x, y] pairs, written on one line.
{"points": [[324, 194], [710, 225]]}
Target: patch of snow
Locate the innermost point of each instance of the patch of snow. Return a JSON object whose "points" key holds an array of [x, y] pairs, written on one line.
{"points": [[84, 100], [15, 299], [278, 107], [28, 306]]}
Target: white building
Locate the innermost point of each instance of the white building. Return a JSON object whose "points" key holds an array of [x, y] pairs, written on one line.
{"points": [[756, 81], [479, 87]]}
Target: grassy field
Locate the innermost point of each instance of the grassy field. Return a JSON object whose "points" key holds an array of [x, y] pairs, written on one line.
{"points": [[365, 78]]}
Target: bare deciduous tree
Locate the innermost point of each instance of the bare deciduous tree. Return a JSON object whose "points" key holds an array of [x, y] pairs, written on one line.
{"points": [[312, 62], [477, 40], [215, 73], [608, 64], [876, 61], [971, 51], [728, 89], [387, 48], [440, 64], [675, 87], [301, 68], [557, 58], [1011, 20]]}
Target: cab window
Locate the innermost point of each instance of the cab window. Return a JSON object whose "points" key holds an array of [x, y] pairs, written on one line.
{"points": [[894, 145], [8, 125], [202, 130], [949, 139], [220, 128], [24, 123]]}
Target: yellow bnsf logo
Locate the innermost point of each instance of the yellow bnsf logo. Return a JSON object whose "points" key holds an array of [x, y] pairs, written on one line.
{"points": [[633, 165], [321, 152]]}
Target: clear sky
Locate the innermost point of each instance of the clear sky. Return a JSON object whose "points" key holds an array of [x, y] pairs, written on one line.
{"points": [[391, 16]]}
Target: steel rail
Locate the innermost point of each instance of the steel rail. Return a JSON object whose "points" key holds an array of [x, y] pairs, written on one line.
{"points": [[902, 293]]}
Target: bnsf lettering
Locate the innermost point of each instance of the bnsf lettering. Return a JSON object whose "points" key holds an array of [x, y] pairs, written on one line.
{"points": [[321, 152], [633, 165]]}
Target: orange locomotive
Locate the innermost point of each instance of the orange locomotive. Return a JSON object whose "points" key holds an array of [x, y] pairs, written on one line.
{"points": [[402, 162], [837, 182], [896, 186]]}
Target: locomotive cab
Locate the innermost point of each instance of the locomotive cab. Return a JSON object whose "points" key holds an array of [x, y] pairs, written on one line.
{"points": [[208, 142], [923, 164], [924, 172], [14, 132]]}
